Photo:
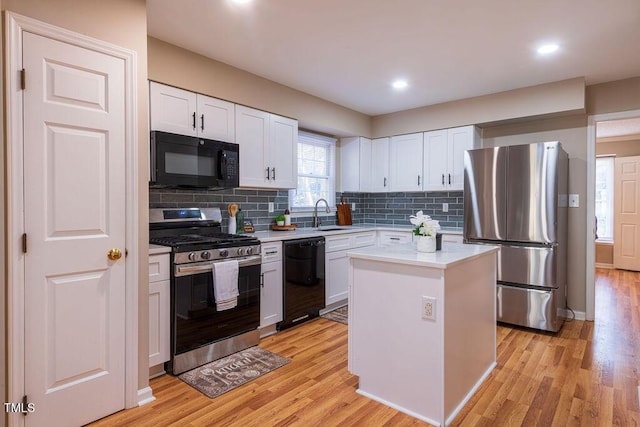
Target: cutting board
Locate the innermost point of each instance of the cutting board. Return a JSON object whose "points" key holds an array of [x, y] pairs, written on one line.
{"points": [[344, 213]]}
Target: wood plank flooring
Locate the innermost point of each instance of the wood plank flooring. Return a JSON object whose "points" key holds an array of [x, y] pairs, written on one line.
{"points": [[586, 375]]}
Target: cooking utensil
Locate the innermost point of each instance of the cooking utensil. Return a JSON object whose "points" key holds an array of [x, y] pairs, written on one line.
{"points": [[232, 209], [344, 213]]}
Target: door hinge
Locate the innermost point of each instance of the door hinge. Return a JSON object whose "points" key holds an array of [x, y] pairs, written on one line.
{"points": [[25, 405], [23, 79], [24, 243]]}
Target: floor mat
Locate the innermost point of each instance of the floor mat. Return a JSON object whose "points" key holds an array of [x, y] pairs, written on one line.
{"points": [[338, 315], [223, 375]]}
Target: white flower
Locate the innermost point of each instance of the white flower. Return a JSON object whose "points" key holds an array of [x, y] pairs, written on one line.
{"points": [[424, 225]]}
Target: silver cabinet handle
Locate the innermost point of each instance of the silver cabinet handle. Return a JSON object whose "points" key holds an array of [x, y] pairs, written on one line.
{"points": [[273, 171], [268, 176], [194, 120], [449, 179], [418, 180], [394, 238], [202, 122], [385, 181], [442, 179]]}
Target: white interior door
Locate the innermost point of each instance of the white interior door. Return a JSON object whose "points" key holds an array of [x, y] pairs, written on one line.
{"points": [[626, 216], [74, 196]]}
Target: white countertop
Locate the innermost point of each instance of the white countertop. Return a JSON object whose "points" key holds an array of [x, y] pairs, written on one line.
{"points": [[451, 254], [300, 233], [158, 249]]}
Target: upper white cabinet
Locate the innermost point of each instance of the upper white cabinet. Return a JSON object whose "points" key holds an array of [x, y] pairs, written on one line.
{"points": [[444, 157], [406, 162], [268, 149], [379, 165], [355, 164], [187, 113]]}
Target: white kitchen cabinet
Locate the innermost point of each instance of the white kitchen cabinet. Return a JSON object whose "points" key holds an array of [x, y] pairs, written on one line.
{"points": [[386, 238], [350, 164], [268, 149], [451, 238], [337, 263], [271, 289], [405, 167], [365, 164], [444, 157], [188, 113], [159, 309], [379, 165]]}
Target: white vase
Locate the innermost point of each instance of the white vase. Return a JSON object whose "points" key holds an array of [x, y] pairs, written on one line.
{"points": [[426, 243]]}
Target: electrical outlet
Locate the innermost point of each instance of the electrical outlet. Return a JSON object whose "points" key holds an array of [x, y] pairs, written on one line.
{"points": [[353, 206], [271, 207], [574, 200], [445, 207], [428, 308]]}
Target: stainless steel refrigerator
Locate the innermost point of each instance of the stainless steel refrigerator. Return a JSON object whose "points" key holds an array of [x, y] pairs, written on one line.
{"points": [[516, 197]]}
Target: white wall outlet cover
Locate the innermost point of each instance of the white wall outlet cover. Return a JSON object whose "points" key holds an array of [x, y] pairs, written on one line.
{"points": [[428, 308], [271, 207], [445, 207], [353, 206]]}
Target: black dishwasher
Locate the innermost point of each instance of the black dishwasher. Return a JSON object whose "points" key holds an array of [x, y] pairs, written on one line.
{"points": [[303, 280]]}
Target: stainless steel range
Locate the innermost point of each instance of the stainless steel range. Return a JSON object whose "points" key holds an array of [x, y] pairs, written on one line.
{"points": [[201, 330]]}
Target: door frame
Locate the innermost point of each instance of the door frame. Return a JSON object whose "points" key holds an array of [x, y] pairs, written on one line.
{"points": [[16, 25], [591, 203]]}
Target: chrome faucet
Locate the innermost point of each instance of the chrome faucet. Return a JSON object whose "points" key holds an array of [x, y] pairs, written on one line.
{"points": [[316, 221]]}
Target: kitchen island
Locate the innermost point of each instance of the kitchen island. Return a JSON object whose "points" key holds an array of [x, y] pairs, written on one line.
{"points": [[422, 326]]}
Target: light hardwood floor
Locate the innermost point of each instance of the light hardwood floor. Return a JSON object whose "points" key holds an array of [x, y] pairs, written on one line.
{"points": [[586, 375]]}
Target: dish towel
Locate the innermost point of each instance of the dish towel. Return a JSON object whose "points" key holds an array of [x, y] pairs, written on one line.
{"points": [[225, 284]]}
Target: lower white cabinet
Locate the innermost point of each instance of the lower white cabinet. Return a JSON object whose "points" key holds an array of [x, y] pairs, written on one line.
{"points": [[271, 289], [337, 263], [451, 238], [159, 309]]}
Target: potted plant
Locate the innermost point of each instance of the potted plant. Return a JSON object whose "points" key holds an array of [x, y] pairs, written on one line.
{"points": [[426, 230], [279, 220]]}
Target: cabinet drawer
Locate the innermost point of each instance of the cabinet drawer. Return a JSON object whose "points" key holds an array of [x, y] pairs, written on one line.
{"points": [[271, 251], [452, 238], [394, 237], [158, 267], [361, 240], [337, 243]]}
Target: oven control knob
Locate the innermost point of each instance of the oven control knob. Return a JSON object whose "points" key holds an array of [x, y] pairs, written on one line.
{"points": [[249, 250], [224, 253], [192, 256], [205, 255], [240, 251]]}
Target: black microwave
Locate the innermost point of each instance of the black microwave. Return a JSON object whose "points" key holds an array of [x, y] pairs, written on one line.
{"points": [[187, 161]]}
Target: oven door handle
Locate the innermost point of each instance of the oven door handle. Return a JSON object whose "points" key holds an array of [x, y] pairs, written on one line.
{"points": [[185, 270]]}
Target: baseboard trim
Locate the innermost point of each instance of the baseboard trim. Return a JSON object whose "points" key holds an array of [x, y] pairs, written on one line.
{"points": [[145, 395], [602, 265], [579, 315]]}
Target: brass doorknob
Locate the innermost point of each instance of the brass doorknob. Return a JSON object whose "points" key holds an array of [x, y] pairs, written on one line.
{"points": [[114, 254]]}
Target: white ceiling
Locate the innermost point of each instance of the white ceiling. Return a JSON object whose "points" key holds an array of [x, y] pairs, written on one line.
{"points": [[349, 51]]}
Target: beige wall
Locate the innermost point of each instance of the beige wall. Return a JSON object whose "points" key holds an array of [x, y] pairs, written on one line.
{"points": [[123, 23], [619, 148], [572, 133], [604, 253], [613, 97], [3, 249], [184, 69], [565, 97]]}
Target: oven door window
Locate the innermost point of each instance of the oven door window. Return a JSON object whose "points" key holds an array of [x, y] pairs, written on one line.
{"points": [[196, 322]]}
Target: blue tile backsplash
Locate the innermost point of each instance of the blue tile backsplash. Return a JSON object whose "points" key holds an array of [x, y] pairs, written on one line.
{"points": [[371, 208]]}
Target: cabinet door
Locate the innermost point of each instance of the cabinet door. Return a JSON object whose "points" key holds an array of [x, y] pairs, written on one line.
{"points": [[365, 165], [349, 164], [172, 109], [387, 238], [435, 160], [458, 141], [271, 294], [406, 162], [216, 119], [159, 310], [380, 165], [282, 152], [252, 134], [337, 282]]}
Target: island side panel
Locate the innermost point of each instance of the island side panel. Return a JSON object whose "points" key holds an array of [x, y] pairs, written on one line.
{"points": [[469, 328], [397, 354]]}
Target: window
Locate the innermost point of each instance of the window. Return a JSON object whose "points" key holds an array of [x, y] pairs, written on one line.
{"points": [[316, 172], [604, 198]]}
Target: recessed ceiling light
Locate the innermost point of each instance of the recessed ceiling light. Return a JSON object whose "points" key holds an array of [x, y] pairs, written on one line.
{"points": [[399, 84], [241, 1], [546, 49]]}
